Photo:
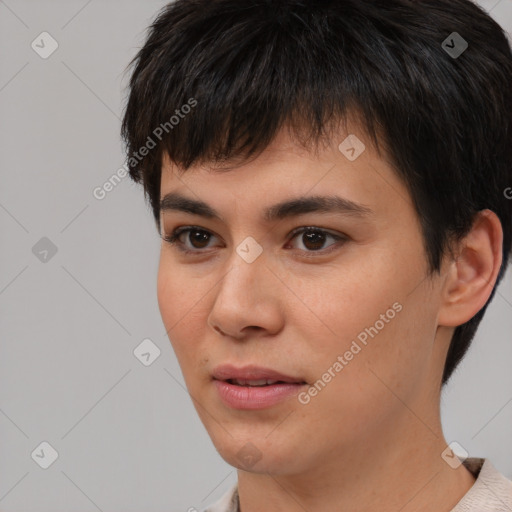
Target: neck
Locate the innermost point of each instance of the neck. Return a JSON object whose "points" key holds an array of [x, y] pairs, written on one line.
{"points": [[400, 468]]}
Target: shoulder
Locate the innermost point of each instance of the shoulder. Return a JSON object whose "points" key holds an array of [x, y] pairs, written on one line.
{"points": [[491, 492]]}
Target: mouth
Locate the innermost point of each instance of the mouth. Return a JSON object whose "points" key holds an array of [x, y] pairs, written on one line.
{"points": [[258, 383], [254, 387], [253, 376]]}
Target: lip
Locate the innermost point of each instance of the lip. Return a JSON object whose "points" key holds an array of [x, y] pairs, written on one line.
{"points": [[252, 372], [257, 397]]}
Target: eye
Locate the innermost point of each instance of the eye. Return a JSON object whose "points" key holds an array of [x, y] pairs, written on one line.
{"points": [[313, 239], [197, 236]]}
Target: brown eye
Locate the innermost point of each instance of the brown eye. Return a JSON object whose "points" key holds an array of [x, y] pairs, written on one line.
{"points": [[189, 239], [314, 239], [198, 238]]}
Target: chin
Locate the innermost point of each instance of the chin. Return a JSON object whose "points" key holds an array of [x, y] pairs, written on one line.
{"points": [[255, 451]]}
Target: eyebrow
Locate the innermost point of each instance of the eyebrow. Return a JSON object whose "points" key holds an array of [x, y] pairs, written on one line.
{"points": [[289, 208]]}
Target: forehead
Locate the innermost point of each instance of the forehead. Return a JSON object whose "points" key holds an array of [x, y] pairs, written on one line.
{"points": [[286, 169]]}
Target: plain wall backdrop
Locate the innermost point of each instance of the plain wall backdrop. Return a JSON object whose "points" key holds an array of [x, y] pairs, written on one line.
{"points": [[78, 290]]}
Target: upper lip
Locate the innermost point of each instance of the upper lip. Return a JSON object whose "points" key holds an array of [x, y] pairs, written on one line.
{"points": [[251, 372]]}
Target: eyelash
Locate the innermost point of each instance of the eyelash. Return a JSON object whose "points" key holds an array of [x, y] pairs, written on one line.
{"points": [[173, 239]]}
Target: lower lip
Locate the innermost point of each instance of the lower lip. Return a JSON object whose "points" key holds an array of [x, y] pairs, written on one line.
{"points": [[257, 397]]}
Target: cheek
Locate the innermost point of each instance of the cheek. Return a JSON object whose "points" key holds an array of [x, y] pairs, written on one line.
{"points": [[362, 396], [166, 293], [382, 360], [180, 309], [382, 331], [339, 302], [177, 289]]}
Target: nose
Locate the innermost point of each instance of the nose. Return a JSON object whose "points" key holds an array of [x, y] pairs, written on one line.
{"points": [[248, 300]]}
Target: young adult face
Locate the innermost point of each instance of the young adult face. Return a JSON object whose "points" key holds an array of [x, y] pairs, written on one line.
{"points": [[303, 302]]}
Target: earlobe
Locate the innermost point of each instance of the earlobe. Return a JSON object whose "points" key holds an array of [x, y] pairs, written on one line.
{"points": [[472, 274]]}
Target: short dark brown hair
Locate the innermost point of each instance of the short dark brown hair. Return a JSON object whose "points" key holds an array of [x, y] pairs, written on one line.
{"points": [[254, 66]]}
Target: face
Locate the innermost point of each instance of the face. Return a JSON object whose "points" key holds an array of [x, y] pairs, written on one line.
{"points": [[345, 308]]}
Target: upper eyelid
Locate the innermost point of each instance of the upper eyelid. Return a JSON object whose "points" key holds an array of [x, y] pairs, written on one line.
{"points": [[329, 231]]}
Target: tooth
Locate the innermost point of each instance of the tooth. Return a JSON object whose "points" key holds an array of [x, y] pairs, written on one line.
{"points": [[259, 382]]}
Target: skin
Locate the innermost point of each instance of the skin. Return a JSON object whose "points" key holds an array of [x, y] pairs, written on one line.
{"points": [[372, 438]]}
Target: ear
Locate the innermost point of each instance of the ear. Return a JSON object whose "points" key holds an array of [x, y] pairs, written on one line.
{"points": [[471, 277]]}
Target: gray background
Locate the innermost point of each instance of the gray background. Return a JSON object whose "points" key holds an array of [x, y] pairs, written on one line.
{"points": [[127, 435]]}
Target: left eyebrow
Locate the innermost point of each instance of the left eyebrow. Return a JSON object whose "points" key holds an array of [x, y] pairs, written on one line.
{"points": [[279, 211]]}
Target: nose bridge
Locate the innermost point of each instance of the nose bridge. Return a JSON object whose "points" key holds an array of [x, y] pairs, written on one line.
{"points": [[244, 281], [245, 297]]}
